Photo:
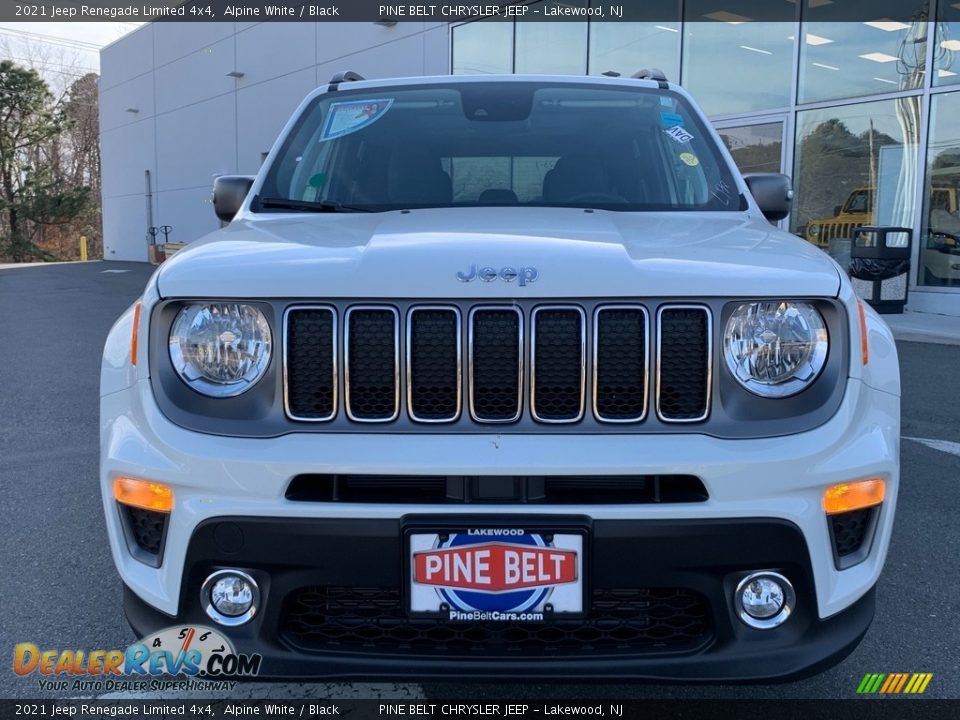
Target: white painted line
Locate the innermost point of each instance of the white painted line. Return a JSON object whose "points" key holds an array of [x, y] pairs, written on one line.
{"points": [[287, 691], [941, 445], [104, 272]]}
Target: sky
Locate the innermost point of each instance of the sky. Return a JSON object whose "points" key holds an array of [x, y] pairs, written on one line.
{"points": [[60, 50]]}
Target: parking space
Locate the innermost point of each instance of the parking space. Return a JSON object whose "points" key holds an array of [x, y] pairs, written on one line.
{"points": [[60, 588]]}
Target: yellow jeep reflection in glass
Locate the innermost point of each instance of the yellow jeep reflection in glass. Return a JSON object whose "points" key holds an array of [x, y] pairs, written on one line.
{"points": [[856, 211]]}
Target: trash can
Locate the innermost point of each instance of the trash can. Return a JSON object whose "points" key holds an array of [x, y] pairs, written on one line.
{"points": [[880, 266]]}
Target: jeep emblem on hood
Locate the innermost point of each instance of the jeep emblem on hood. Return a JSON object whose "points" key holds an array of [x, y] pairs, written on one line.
{"points": [[522, 275]]}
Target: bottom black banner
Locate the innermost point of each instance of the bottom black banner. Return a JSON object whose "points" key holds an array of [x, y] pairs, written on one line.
{"points": [[892, 709]]}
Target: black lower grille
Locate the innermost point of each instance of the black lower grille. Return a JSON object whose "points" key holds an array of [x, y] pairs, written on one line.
{"points": [[849, 530], [684, 377], [434, 364], [495, 362], [621, 364], [373, 620], [147, 528], [311, 372], [502, 489], [372, 364], [558, 370]]}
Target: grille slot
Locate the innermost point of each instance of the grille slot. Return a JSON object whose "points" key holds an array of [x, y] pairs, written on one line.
{"points": [[683, 363], [310, 367], [498, 489], [621, 356], [496, 363], [433, 364], [324, 619], [557, 358], [372, 363]]}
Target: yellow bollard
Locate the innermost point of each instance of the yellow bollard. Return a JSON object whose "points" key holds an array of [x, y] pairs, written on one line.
{"points": [[83, 248]]}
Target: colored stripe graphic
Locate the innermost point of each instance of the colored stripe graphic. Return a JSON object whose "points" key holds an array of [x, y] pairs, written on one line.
{"points": [[894, 683]]}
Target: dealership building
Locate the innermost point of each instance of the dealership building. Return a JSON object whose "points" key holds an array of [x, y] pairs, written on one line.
{"points": [[864, 115]]}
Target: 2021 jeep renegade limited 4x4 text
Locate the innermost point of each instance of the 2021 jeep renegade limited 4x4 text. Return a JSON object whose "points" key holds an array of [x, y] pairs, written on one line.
{"points": [[498, 376]]}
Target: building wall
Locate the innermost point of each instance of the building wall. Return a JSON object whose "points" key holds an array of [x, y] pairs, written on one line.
{"points": [[169, 107]]}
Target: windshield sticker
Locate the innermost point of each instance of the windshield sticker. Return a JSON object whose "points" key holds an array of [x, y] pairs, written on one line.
{"points": [[689, 159], [671, 120], [666, 101], [348, 117], [723, 193], [678, 134]]}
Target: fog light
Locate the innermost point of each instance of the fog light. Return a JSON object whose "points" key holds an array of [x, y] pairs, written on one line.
{"points": [[764, 600], [230, 597]]}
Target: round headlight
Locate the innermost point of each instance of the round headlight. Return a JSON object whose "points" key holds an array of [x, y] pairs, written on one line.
{"points": [[775, 349], [220, 349], [813, 229]]}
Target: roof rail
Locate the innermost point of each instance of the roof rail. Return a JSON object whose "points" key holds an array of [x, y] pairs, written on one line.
{"points": [[652, 74], [342, 77]]}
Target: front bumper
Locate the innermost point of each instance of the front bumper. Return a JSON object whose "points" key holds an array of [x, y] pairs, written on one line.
{"points": [[674, 620], [763, 513]]}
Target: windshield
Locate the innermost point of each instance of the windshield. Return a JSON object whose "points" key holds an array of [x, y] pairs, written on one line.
{"points": [[499, 144]]}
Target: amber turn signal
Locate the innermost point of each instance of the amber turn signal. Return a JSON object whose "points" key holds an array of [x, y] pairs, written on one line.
{"points": [[864, 339], [143, 494], [135, 334], [853, 496]]}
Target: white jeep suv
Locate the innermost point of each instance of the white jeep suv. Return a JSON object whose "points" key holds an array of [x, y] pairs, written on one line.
{"points": [[503, 376]]}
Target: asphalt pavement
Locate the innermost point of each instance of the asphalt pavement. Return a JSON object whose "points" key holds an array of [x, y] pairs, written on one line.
{"points": [[59, 588]]}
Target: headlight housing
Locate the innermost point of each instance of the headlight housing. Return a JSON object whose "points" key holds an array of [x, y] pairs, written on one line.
{"points": [[220, 349], [813, 229], [775, 349]]}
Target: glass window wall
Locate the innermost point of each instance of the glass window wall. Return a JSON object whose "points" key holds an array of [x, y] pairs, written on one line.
{"points": [[628, 47], [755, 148], [843, 59], [483, 48], [854, 165], [736, 66], [940, 236], [553, 48]]}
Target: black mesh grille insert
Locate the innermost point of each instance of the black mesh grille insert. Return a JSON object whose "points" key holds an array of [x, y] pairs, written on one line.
{"points": [[434, 364], [495, 388], [311, 380], [621, 368], [372, 364], [558, 368], [684, 363], [147, 528], [849, 530], [373, 620]]}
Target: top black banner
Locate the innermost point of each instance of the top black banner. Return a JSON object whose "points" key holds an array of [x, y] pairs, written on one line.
{"points": [[387, 13]]}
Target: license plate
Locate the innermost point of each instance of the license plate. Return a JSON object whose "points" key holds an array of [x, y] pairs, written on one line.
{"points": [[496, 574]]}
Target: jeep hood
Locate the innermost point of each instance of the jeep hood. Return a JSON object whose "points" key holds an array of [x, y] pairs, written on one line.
{"points": [[576, 253]]}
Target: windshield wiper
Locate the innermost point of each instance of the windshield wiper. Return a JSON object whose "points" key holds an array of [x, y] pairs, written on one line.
{"points": [[319, 206]]}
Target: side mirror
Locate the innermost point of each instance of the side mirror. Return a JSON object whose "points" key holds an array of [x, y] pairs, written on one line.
{"points": [[773, 194], [229, 192], [837, 209]]}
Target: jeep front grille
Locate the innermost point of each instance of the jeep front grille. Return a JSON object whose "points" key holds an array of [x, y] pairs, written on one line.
{"points": [[519, 362]]}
